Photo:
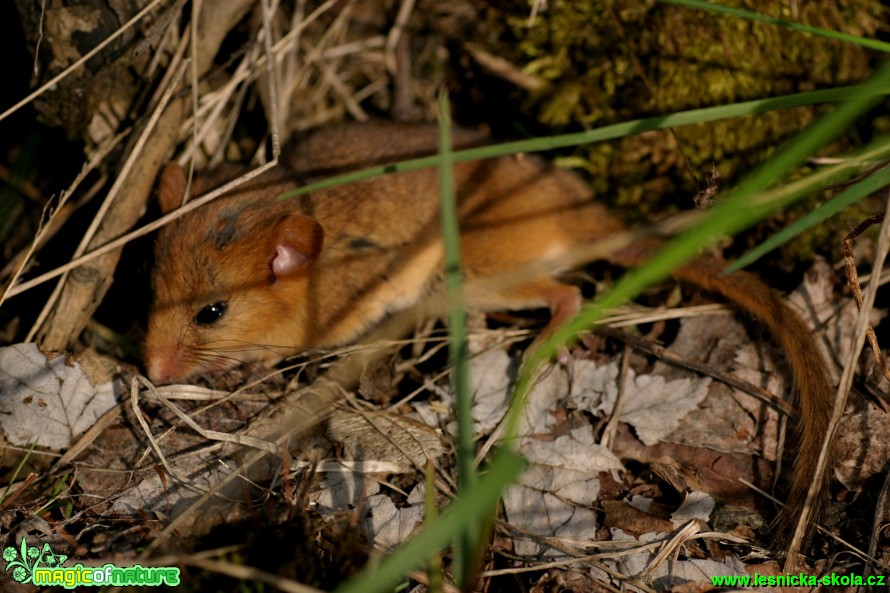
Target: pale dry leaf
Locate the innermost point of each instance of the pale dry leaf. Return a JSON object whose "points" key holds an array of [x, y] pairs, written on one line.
{"points": [[491, 379], [548, 394], [654, 406], [816, 301], [537, 416], [553, 497], [592, 383], [48, 400], [862, 446], [696, 505], [576, 451], [537, 511], [167, 497], [388, 525]]}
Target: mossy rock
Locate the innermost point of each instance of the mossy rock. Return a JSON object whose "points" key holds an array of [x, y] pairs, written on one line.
{"points": [[613, 61]]}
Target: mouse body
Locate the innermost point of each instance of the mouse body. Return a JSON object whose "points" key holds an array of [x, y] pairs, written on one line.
{"points": [[252, 279]]}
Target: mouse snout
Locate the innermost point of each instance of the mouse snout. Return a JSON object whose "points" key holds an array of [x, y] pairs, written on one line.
{"points": [[164, 364]]}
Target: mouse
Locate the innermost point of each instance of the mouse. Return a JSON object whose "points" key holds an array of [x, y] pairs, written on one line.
{"points": [[252, 279]]}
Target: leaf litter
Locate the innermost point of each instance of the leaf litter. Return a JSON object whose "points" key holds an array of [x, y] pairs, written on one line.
{"points": [[555, 508], [556, 499]]}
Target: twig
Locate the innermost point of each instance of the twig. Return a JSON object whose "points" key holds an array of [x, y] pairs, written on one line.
{"points": [[842, 392], [272, 74], [853, 281], [35, 68], [395, 34], [699, 367], [612, 426], [67, 71], [109, 199], [152, 226]]}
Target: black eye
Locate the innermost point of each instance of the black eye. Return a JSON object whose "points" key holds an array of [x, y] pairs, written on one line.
{"points": [[211, 313]]}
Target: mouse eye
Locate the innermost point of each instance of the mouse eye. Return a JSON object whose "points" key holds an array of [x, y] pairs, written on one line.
{"points": [[211, 313]]}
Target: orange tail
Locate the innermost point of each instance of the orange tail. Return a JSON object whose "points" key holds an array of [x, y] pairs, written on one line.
{"points": [[808, 367]]}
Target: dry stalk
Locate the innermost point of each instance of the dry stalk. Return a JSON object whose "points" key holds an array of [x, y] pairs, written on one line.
{"points": [[843, 390], [83, 60], [84, 296], [51, 220]]}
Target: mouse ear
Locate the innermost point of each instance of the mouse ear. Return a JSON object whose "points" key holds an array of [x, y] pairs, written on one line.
{"points": [[299, 243], [172, 190]]}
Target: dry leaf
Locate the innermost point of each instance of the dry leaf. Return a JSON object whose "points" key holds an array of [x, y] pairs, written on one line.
{"points": [[815, 297], [671, 574], [862, 445], [696, 505], [491, 381], [48, 401], [729, 420], [555, 495], [386, 437], [630, 519], [655, 406], [389, 526]]}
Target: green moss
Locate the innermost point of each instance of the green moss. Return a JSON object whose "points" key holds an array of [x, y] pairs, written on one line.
{"points": [[617, 60]]}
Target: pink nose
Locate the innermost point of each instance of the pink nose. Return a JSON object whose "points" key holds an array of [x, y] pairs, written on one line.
{"points": [[164, 365]]}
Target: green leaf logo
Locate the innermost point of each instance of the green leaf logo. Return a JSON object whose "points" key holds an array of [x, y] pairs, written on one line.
{"points": [[24, 560]]}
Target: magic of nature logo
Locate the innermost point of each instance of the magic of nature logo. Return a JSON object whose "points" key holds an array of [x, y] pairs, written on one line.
{"points": [[43, 567]]}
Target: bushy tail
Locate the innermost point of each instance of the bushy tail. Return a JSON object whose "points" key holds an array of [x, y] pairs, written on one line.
{"points": [[808, 368]]}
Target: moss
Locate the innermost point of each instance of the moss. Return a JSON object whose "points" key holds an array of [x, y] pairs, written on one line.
{"points": [[613, 61]]}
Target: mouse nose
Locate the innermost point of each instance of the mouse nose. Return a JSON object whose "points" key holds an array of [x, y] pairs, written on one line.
{"points": [[164, 364]]}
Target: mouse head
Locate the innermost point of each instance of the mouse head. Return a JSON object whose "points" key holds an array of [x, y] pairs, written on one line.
{"points": [[228, 280]]}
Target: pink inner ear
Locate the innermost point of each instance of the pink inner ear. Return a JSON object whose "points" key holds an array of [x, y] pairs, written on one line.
{"points": [[298, 245], [288, 260]]}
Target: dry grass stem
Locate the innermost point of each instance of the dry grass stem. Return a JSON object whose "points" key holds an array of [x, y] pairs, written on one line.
{"points": [[672, 547], [862, 326], [248, 573], [83, 60], [50, 225], [213, 435], [612, 425], [152, 226]]}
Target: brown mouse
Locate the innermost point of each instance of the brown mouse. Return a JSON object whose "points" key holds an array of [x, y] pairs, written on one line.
{"points": [[251, 279]]}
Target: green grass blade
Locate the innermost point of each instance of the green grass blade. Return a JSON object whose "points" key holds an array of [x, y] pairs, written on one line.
{"points": [[17, 471], [430, 515], [848, 197], [457, 316], [794, 26], [467, 542], [737, 211], [637, 126], [471, 509]]}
